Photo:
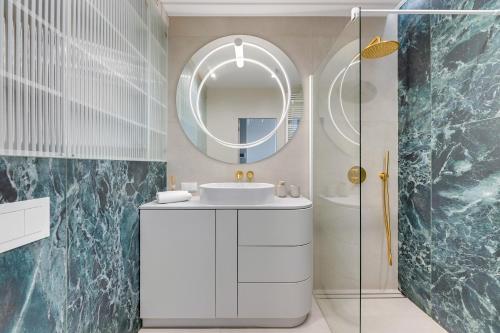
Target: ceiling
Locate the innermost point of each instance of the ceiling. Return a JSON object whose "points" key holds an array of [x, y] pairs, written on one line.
{"points": [[270, 7]]}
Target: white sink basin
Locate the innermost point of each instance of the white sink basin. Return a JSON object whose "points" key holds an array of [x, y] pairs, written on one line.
{"points": [[236, 193]]}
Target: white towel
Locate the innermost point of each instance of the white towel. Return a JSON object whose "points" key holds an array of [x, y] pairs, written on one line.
{"points": [[172, 196]]}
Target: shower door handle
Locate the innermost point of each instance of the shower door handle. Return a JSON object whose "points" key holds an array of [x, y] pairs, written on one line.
{"points": [[384, 176]]}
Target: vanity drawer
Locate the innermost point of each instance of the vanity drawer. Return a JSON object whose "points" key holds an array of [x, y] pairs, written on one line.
{"points": [[274, 264], [275, 227], [274, 300]]}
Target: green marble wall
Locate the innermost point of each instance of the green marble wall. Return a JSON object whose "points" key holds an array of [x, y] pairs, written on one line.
{"points": [[449, 164], [85, 277]]}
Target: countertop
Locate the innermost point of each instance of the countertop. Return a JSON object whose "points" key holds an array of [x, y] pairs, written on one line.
{"points": [[194, 203]]}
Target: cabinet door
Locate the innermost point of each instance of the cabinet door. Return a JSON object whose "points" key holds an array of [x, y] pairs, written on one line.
{"points": [[226, 268], [177, 264]]}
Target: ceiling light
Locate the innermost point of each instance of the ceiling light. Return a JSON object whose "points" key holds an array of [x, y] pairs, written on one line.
{"points": [[238, 50]]}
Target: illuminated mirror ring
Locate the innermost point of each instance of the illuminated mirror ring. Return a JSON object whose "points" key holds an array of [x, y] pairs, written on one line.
{"points": [[342, 73], [238, 114], [287, 80], [287, 96], [197, 112], [202, 61], [341, 89]]}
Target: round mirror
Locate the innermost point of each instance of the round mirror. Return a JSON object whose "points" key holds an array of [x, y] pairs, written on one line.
{"points": [[240, 99]]}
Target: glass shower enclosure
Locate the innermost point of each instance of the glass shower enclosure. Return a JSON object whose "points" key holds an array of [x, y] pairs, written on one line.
{"points": [[406, 154]]}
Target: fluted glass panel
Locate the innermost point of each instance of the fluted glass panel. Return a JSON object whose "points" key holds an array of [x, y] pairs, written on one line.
{"points": [[83, 79]]}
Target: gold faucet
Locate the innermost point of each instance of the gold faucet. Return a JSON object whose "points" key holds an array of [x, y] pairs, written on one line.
{"points": [[238, 176], [250, 175]]}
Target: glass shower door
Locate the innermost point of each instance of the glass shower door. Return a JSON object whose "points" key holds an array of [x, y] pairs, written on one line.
{"points": [[337, 178], [380, 296]]}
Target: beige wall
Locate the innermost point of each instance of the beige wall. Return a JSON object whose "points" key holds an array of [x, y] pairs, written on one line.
{"points": [[306, 40]]}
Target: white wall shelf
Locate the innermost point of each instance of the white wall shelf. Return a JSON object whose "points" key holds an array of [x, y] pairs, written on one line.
{"points": [[23, 222]]}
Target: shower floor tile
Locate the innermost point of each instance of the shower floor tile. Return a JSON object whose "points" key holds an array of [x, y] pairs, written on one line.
{"points": [[379, 315]]}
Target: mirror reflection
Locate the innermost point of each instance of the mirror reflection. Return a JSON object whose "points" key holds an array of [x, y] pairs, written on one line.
{"points": [[240, 99]]}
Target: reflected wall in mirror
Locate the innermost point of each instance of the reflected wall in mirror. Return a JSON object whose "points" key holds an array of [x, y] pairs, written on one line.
{"points": [[240, 99]]}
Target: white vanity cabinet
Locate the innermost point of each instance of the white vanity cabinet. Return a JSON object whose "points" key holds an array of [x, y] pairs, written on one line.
{"points": [[178, 263], [226, 265]]}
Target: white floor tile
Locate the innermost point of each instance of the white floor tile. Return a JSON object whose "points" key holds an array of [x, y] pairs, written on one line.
{"points": [[384, 315], [315, 323], [179, 330]]}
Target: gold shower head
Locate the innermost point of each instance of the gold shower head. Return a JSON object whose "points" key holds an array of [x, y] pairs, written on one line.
{"points": [[379, 48]]}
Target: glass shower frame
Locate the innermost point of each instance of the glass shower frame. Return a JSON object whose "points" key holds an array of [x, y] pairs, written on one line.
{"points": [[336, 138]]}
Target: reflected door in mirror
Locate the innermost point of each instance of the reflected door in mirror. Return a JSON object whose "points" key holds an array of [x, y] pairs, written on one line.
{"points": [[252, 129]]}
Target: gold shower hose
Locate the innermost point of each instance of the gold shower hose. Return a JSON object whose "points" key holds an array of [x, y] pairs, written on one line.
{"points": [[384, 176]]}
